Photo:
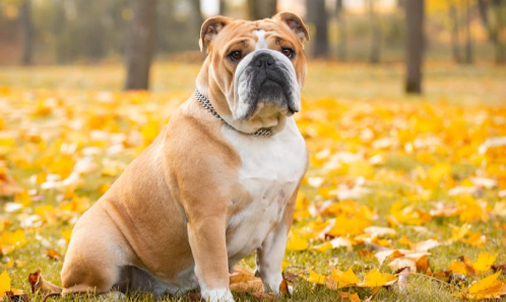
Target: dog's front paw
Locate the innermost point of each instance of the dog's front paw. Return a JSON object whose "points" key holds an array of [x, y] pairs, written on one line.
{"points": [[217, 295]]}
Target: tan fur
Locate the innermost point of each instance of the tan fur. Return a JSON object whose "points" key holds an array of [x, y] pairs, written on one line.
{"points": [[170, 209]]}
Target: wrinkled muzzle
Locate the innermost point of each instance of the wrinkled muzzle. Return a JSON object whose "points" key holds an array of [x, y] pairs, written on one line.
{"points": [[265, 78]]}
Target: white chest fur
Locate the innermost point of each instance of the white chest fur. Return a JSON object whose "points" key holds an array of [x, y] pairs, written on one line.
{"points": [[270, 170]]}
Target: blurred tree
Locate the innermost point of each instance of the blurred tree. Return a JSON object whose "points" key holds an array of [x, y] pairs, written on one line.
{"points": [[260, 9], [223, 7], [197, 12], [499, 30], [493, 16], [415, 45], [341, 29], [469, 42], [375, 33], [140, 44], [454, 15], [26, 20], [317, 15]]}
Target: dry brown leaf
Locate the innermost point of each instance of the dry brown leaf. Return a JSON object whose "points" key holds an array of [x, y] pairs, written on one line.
{"points": [[422, 264], [242, 274], [247, 287], [39, 284], [53, 255], [469, 265], [16, 295]]}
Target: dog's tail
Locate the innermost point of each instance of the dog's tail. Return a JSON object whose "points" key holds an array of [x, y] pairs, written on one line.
{"points": [[51, 295]]}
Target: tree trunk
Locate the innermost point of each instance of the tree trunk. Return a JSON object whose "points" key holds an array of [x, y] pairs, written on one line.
{"points": [[140, 44], [469, 42], [26, 20], [223, 7], [500, 45], [317, 14], [401, 4], [342, 49], [415, 45], [375, 34], [455, 34], [197, 11], [261, 9]]}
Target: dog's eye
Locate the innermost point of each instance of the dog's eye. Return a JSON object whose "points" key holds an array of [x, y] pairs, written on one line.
{"points": [[235, 55], [288, 52]]}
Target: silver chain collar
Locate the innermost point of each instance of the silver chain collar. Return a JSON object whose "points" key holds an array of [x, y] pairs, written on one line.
{"points": [[204, 101]]}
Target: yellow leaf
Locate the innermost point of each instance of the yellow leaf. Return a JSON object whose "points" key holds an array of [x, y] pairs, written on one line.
{"points": [[323, 247], [487, 288], [5, 283], [484, 262], [460, 232], [408, 215], [375, 279], [361, 168], [475, 239], [9, 241], [458, 268], [296, 242], [439, 171], [345, 225], [472, 209], [343, 279], [66, 235], [315, 278]]}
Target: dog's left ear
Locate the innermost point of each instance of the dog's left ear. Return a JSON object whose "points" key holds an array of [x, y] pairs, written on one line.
{"points": [[295, 23], [211, 28]]}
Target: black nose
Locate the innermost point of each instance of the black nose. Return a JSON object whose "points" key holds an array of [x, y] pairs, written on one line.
{"points": [[263, 60]]}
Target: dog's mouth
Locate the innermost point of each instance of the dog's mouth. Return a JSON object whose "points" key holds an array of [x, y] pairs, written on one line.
{"points": [[271, 94]]}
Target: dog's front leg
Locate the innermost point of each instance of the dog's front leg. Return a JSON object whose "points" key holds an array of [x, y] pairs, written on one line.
{"points": [[270, 254], [208, 245]]}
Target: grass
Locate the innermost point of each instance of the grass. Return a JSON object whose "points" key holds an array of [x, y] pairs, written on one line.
{"points": [[350, 87]]}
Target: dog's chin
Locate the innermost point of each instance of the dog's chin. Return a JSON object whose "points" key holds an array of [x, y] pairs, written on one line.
{"points": [[269, 116], [262, 115]]}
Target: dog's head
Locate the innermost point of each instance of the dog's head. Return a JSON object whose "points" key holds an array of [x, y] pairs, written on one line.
{"points": [[255, 70]]}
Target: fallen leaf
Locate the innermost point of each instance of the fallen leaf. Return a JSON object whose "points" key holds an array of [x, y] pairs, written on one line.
{"points": [[39, 284], [5, 283], [53, 255], [339, 279], [487, 288], [315, 278], [296, 242], [375, 279], [458, 268]]}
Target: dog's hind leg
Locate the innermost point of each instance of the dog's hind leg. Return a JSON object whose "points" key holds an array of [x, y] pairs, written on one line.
{"points": [[95, 257]]}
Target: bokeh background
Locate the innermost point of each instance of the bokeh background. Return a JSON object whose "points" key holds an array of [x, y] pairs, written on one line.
{"points": [[403, 114], [66, 32]]}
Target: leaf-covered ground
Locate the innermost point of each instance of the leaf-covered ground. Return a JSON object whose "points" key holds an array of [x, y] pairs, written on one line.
{"points": [[394, 181]]}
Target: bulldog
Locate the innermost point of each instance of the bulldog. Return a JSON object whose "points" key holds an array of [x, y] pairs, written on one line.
{"points": [[219, 182]]}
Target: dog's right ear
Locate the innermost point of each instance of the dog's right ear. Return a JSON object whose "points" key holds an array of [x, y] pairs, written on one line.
{"points": [[211, 28]]}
